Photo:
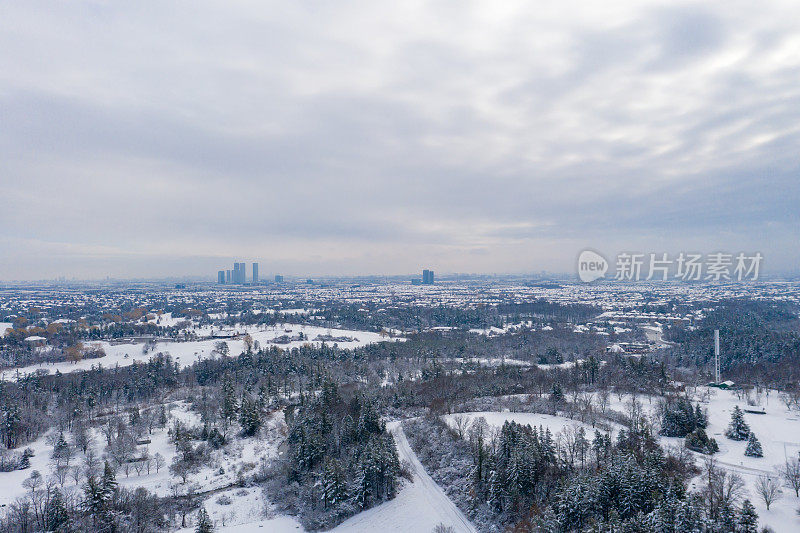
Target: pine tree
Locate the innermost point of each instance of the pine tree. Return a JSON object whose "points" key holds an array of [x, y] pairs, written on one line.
{"points": [[334, 485], [701, 419], [56, 515], [204, 524], [727, 518], [61, 451], [96, 502], [25, 460], [556, 394], [738, 428], [228, 407], [249, 416], [748, 518], [548, 446], [263, 396], [108, 483], [753, 447]]}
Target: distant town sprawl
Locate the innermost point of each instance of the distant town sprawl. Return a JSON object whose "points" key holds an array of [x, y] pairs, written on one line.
{"points": [[238, 276]]}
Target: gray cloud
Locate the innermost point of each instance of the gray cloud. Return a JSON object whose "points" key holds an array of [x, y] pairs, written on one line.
{"points": [[142, 139]]}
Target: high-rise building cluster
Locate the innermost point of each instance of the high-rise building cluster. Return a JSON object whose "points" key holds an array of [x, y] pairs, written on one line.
{"points": [[237, 276], [427, 278]]}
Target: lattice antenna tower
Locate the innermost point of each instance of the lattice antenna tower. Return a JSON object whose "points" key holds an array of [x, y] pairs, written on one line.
{"points": [[716, 357]]}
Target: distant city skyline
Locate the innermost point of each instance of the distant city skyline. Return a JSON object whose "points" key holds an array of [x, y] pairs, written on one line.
{"points": [[228, 274], [369, 138]]}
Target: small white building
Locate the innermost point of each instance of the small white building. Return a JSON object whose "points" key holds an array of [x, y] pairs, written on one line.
{"points": [[36, 340]]}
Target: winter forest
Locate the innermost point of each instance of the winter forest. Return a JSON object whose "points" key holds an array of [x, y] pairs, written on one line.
{"points": [[207, 410]]}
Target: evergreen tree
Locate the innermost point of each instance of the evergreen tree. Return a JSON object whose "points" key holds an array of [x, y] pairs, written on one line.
{"points": [[61, 451], [249, 416], [334, 484], [204, 523], [699, 441], [701, 419], [228, 406], [25, 460], [108, 483], [727, 518], [748, 518], [753, 447], [56, 514], [97, 501], [738, 428], [94, 499], [556, 394], [679, 418]]}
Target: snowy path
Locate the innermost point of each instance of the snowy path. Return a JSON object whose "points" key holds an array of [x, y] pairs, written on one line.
{"points": [[419, 506]]}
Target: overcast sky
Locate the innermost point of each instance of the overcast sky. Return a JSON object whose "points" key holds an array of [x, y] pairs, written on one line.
{"points": [[160, 138]]}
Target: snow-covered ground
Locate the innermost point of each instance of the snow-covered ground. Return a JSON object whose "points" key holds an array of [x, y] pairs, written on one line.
{"points": [[496, 419], [778, 430], [494, 361], [278, 524], [418, 507], [244, 513], [779, 433], [186, 353], [220, 473], [166, 320], [11, 482]]}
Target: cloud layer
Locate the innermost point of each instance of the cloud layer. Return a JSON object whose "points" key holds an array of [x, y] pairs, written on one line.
{"points": [[143, 139]]}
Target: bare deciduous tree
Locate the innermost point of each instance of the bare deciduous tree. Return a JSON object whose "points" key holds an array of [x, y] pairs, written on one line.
{"points": [[790, 472], [769, 489], [460, 422], [722, 488], [159, 461]]}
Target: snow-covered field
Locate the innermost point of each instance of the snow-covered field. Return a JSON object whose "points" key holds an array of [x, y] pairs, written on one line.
{"points": [[779, 433], [245, 513], [494, 361], [237, 455], [496, 419], [186, 353], [279, 524]]}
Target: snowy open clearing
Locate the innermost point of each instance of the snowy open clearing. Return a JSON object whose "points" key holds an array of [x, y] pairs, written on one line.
{"points": [[779, 433], [186, 353], [245, 514], [497, 419], [279, 524]]}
